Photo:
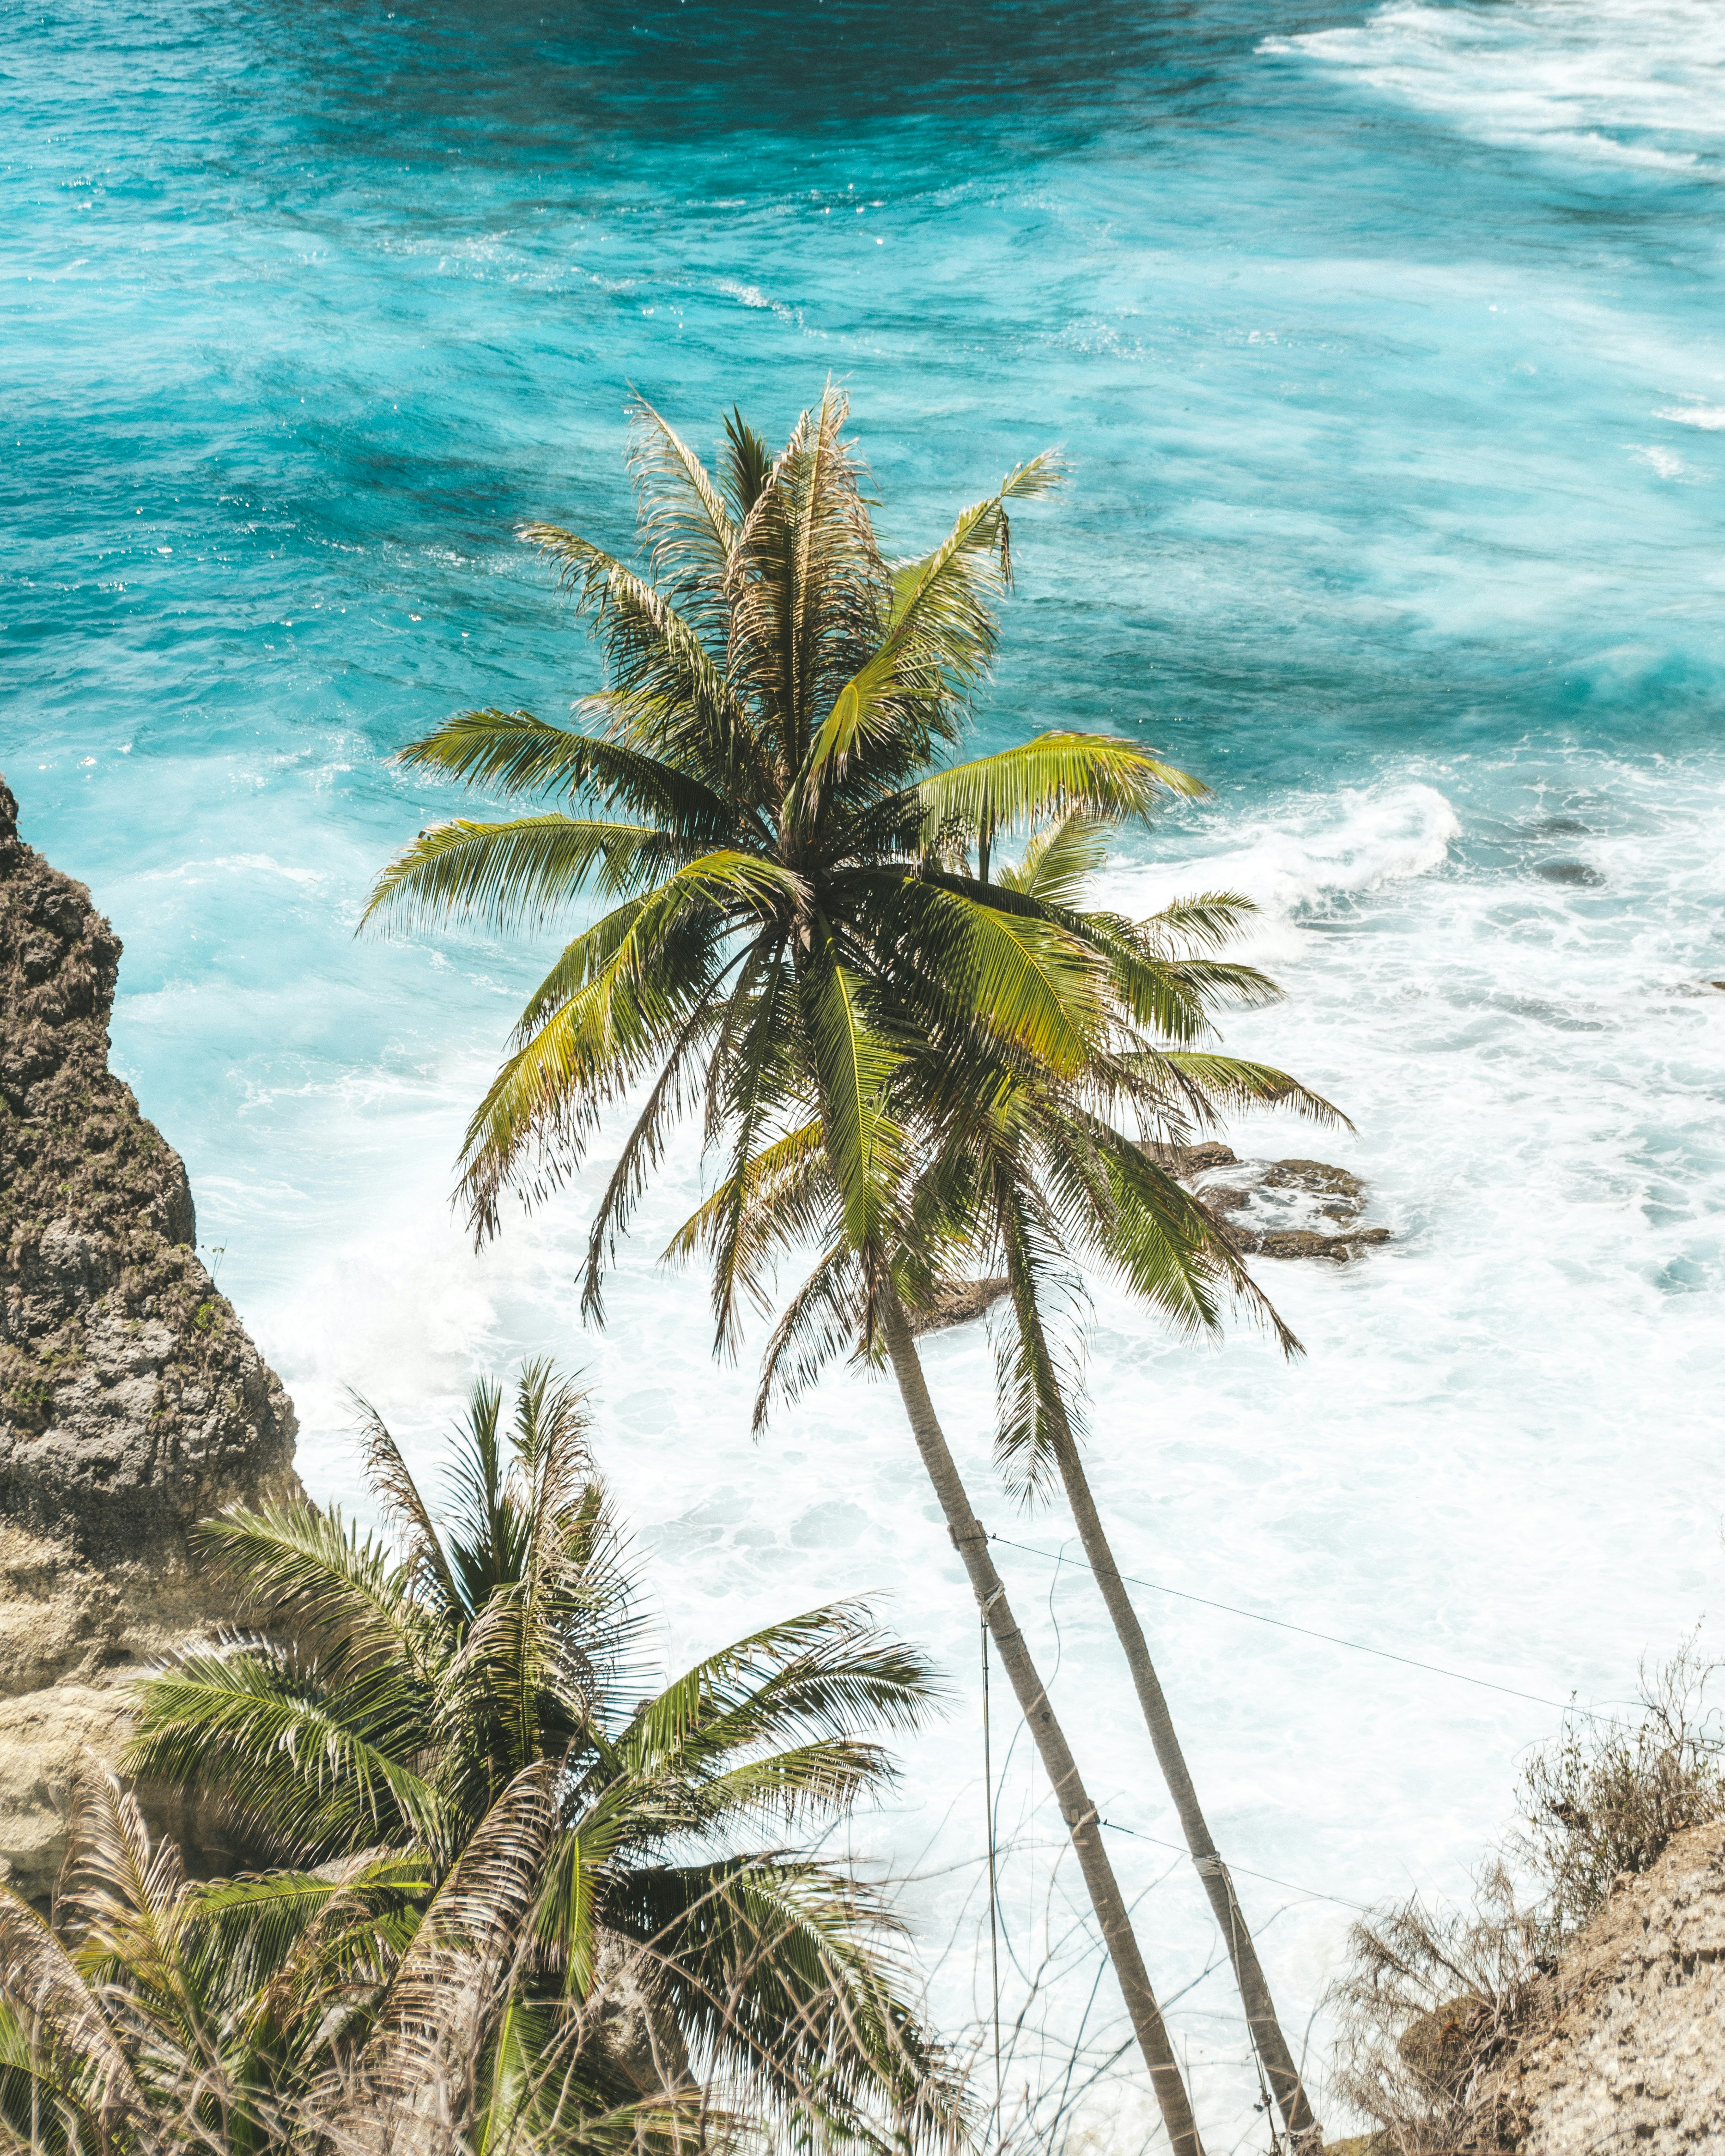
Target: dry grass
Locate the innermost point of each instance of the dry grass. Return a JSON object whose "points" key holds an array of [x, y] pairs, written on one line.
{"points": [[1604, 1800], [1433, 2003]]}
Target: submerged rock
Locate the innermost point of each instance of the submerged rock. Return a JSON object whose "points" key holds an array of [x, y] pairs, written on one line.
{"points": [[1265, 1209], [1276, 1209], [958, 1304], [131, 1401]]}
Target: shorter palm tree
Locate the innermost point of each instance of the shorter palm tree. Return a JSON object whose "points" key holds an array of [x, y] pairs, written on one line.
{"points": [[1025, 1171], [589, 1929]]}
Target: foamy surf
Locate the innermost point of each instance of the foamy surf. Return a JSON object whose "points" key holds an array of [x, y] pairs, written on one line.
{"points": [[1535, 1070], [1621, 82]]}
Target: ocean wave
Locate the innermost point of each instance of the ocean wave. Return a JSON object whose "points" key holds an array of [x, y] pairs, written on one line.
{"points": [[1616, 81], [1309, 851]]}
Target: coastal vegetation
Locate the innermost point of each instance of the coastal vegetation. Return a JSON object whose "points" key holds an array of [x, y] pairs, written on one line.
{"points": [[497, 1900], [912, 1054], [1440, 2005]]}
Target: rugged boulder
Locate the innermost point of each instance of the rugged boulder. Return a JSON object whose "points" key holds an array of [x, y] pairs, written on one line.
{"points": [[958, 1304], [1629, 2051], [1276, 1209], [131, 1401]]}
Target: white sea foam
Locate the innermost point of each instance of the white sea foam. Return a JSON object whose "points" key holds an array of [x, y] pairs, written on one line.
{"points": [[1631, 82], [1499, 971], [1710, 418]]}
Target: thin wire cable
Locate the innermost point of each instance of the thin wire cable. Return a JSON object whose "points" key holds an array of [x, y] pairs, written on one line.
{"points": [[1293, 1886], [994, 1888], [1282, 1624]]}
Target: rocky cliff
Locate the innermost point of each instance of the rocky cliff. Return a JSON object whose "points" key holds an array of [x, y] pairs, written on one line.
{"points": [[1629, 2050], [131, 1401]]}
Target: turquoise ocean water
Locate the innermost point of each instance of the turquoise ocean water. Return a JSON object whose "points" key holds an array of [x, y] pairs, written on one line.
{"points": [[1385, 346]]}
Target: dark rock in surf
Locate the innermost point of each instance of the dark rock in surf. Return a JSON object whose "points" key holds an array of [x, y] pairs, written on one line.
{"points": [[1278, 1209], [1273, 1209], [958, 1305]]}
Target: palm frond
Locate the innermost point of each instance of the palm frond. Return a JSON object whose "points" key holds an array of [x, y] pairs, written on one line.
{"points": [[419, 2072], [513, 753], [1047, 779], [392, 1484], [825, 1318], [294, 1762], [855, 1063], [780, 1968], [293, 1559], [1059, 861], [55, 2037], [518, 874]]}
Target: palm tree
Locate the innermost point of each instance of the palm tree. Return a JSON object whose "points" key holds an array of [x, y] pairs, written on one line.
{"points": [[798, 905], [1023, 1168], [589, 1932], [1025, 1162]]}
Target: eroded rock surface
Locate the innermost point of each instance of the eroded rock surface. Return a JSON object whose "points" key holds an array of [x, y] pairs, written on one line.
{"points": [[1632, 2054], [1277, 1209], [959, 1304], [131, 1401], [1267, 1209]]}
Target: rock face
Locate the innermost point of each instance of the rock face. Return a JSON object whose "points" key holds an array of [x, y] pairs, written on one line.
{"points": [[958, 1304], [131, 1401], [1276, 1209], [1631, 2051], [1266, 1208]]}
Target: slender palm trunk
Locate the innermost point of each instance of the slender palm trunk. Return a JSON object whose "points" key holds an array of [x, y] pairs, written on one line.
{"points": [[1272, 2047], [1082, 1819]]}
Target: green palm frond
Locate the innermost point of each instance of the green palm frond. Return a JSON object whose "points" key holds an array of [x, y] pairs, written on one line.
{"points": [[783, 1970], [812, 1677], [1047, 779], [295, 1561], [603, 1037], [1059, 861], [392, 1484], [519, 875], [825, 1318], [774, 1198], [1203, 921], [1023, 978], [683, 517], [855, 1063], [669, 698], [513, 753], [293, 1760], [1036, 1385], [746, 1085], [1229, 1081]]}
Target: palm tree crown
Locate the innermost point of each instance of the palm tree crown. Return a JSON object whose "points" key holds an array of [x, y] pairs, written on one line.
{"points": [[457, 1728], [900, 1053], [799, 873]]}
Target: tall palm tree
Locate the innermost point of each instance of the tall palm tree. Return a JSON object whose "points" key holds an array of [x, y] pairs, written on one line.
{"points": [[798, 901], [1025, 1167], [589, 1923], [1020, 1157]]}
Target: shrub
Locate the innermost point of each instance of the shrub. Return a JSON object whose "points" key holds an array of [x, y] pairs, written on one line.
{"points": [[1433, 2003], [1603, 1800]]}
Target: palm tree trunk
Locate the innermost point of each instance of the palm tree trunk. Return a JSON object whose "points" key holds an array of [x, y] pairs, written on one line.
{"points": [[1272, 2047], [1082, 1819]]}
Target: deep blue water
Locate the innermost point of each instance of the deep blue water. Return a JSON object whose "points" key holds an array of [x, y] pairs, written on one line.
{"points": [[1385, 348]]}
